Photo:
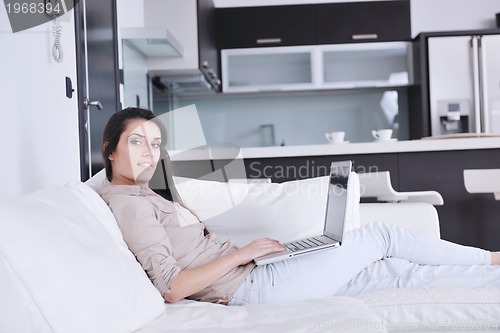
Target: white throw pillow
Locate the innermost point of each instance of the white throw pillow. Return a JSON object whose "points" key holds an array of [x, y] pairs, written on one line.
{"points": [[59, 246], [244, 212]]}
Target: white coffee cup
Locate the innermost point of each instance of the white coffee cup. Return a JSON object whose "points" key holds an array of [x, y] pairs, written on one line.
{"points": [[382, 134], [335, 137]]}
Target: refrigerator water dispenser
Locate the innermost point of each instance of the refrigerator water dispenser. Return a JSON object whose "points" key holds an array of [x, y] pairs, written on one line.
{"points": [[454, 116]]}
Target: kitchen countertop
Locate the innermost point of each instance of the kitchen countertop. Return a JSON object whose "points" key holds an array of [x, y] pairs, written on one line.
{"points": [[442, 144], [374, 147]]}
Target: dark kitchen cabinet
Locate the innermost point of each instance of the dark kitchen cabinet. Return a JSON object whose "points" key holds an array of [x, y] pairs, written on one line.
{"points": [[465, 218], [313, 24], [355, 22], [248, 27], [208, 53]]}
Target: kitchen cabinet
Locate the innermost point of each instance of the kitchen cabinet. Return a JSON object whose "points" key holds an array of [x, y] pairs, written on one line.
{"points": [[366, 65], [260, 46], [245, 27], [341, 66], [330, 23], [268, 69], [354, 22]]}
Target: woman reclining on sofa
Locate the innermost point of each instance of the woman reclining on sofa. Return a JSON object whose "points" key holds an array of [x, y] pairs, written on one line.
{"points": [[183, 260]]}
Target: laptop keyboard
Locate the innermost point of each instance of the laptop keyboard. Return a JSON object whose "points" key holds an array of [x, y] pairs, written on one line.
{"points": [[304, 244]]}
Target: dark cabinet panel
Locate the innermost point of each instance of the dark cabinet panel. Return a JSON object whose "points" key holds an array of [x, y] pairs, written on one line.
{"points": [[244, 27], [356, 22], [330, 23], [282, 169], [465, 218], [208, 54]]}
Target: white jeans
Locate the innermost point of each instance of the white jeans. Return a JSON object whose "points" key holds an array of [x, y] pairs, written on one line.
{"points": [[375, 257]]}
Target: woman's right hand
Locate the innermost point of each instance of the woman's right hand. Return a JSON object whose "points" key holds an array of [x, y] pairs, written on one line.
{"points": [[190, 281], [258, 248]]}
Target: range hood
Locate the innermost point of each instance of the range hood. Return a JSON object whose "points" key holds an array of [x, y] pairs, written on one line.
{"points": [[152, 41], [183, 84]]}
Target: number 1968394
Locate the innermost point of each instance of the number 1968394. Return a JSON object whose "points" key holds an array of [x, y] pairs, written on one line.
{"points": [[45, 7]]}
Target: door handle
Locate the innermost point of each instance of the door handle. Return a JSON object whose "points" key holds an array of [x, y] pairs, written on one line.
{"points": [[364, 36], [87, 103], [476, 85], [268, 41]]}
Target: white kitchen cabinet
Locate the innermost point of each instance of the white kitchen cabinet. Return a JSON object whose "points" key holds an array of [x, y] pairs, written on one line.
{"points": [[338, 66], [366, 65], [268, 69]]}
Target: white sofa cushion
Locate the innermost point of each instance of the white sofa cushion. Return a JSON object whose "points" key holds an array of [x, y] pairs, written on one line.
{"points": [[436, 308], [64, 262], [246, 211], [335, 314], [18, 312]]}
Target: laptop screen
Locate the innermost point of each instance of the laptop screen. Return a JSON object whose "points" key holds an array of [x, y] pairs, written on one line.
{"points": [[337, 199]]}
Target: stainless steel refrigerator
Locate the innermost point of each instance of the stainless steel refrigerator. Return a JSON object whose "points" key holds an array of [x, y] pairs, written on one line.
{"points": [[464, 83]]}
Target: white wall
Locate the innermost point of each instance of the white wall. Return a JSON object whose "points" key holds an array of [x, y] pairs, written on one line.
{"points": [[179, 17], [39, 124]]}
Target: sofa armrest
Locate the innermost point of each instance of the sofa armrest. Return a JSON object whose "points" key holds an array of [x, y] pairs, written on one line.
{"points": [[418, 217]]}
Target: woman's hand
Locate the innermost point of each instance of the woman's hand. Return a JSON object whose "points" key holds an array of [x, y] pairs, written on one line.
{"points": [[258, 248], [190, 281]]}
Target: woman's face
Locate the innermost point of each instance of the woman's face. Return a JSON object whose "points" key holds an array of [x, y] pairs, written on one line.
{"points": [[134, 160]]}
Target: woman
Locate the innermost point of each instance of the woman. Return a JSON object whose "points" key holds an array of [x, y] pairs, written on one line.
{"points": [[183, 260]]}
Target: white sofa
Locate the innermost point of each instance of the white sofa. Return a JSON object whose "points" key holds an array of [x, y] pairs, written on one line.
{"points": [[65, 268]]}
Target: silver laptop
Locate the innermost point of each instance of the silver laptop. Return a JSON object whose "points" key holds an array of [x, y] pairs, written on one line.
{"points": [[337, 207]]}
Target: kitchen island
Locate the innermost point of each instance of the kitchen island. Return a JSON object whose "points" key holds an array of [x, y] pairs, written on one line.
{"points": [[416, 165]]}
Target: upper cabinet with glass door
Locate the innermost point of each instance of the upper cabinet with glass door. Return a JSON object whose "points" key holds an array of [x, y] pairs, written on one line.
{"points": [[366, 65], [268, 69], [315, 46], [340, 66]]}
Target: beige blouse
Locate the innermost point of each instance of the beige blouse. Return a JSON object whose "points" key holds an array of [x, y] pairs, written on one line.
{"points": [[166, 238]]}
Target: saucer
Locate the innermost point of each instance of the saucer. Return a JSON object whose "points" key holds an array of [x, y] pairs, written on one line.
{"points": [[382, 141]]}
